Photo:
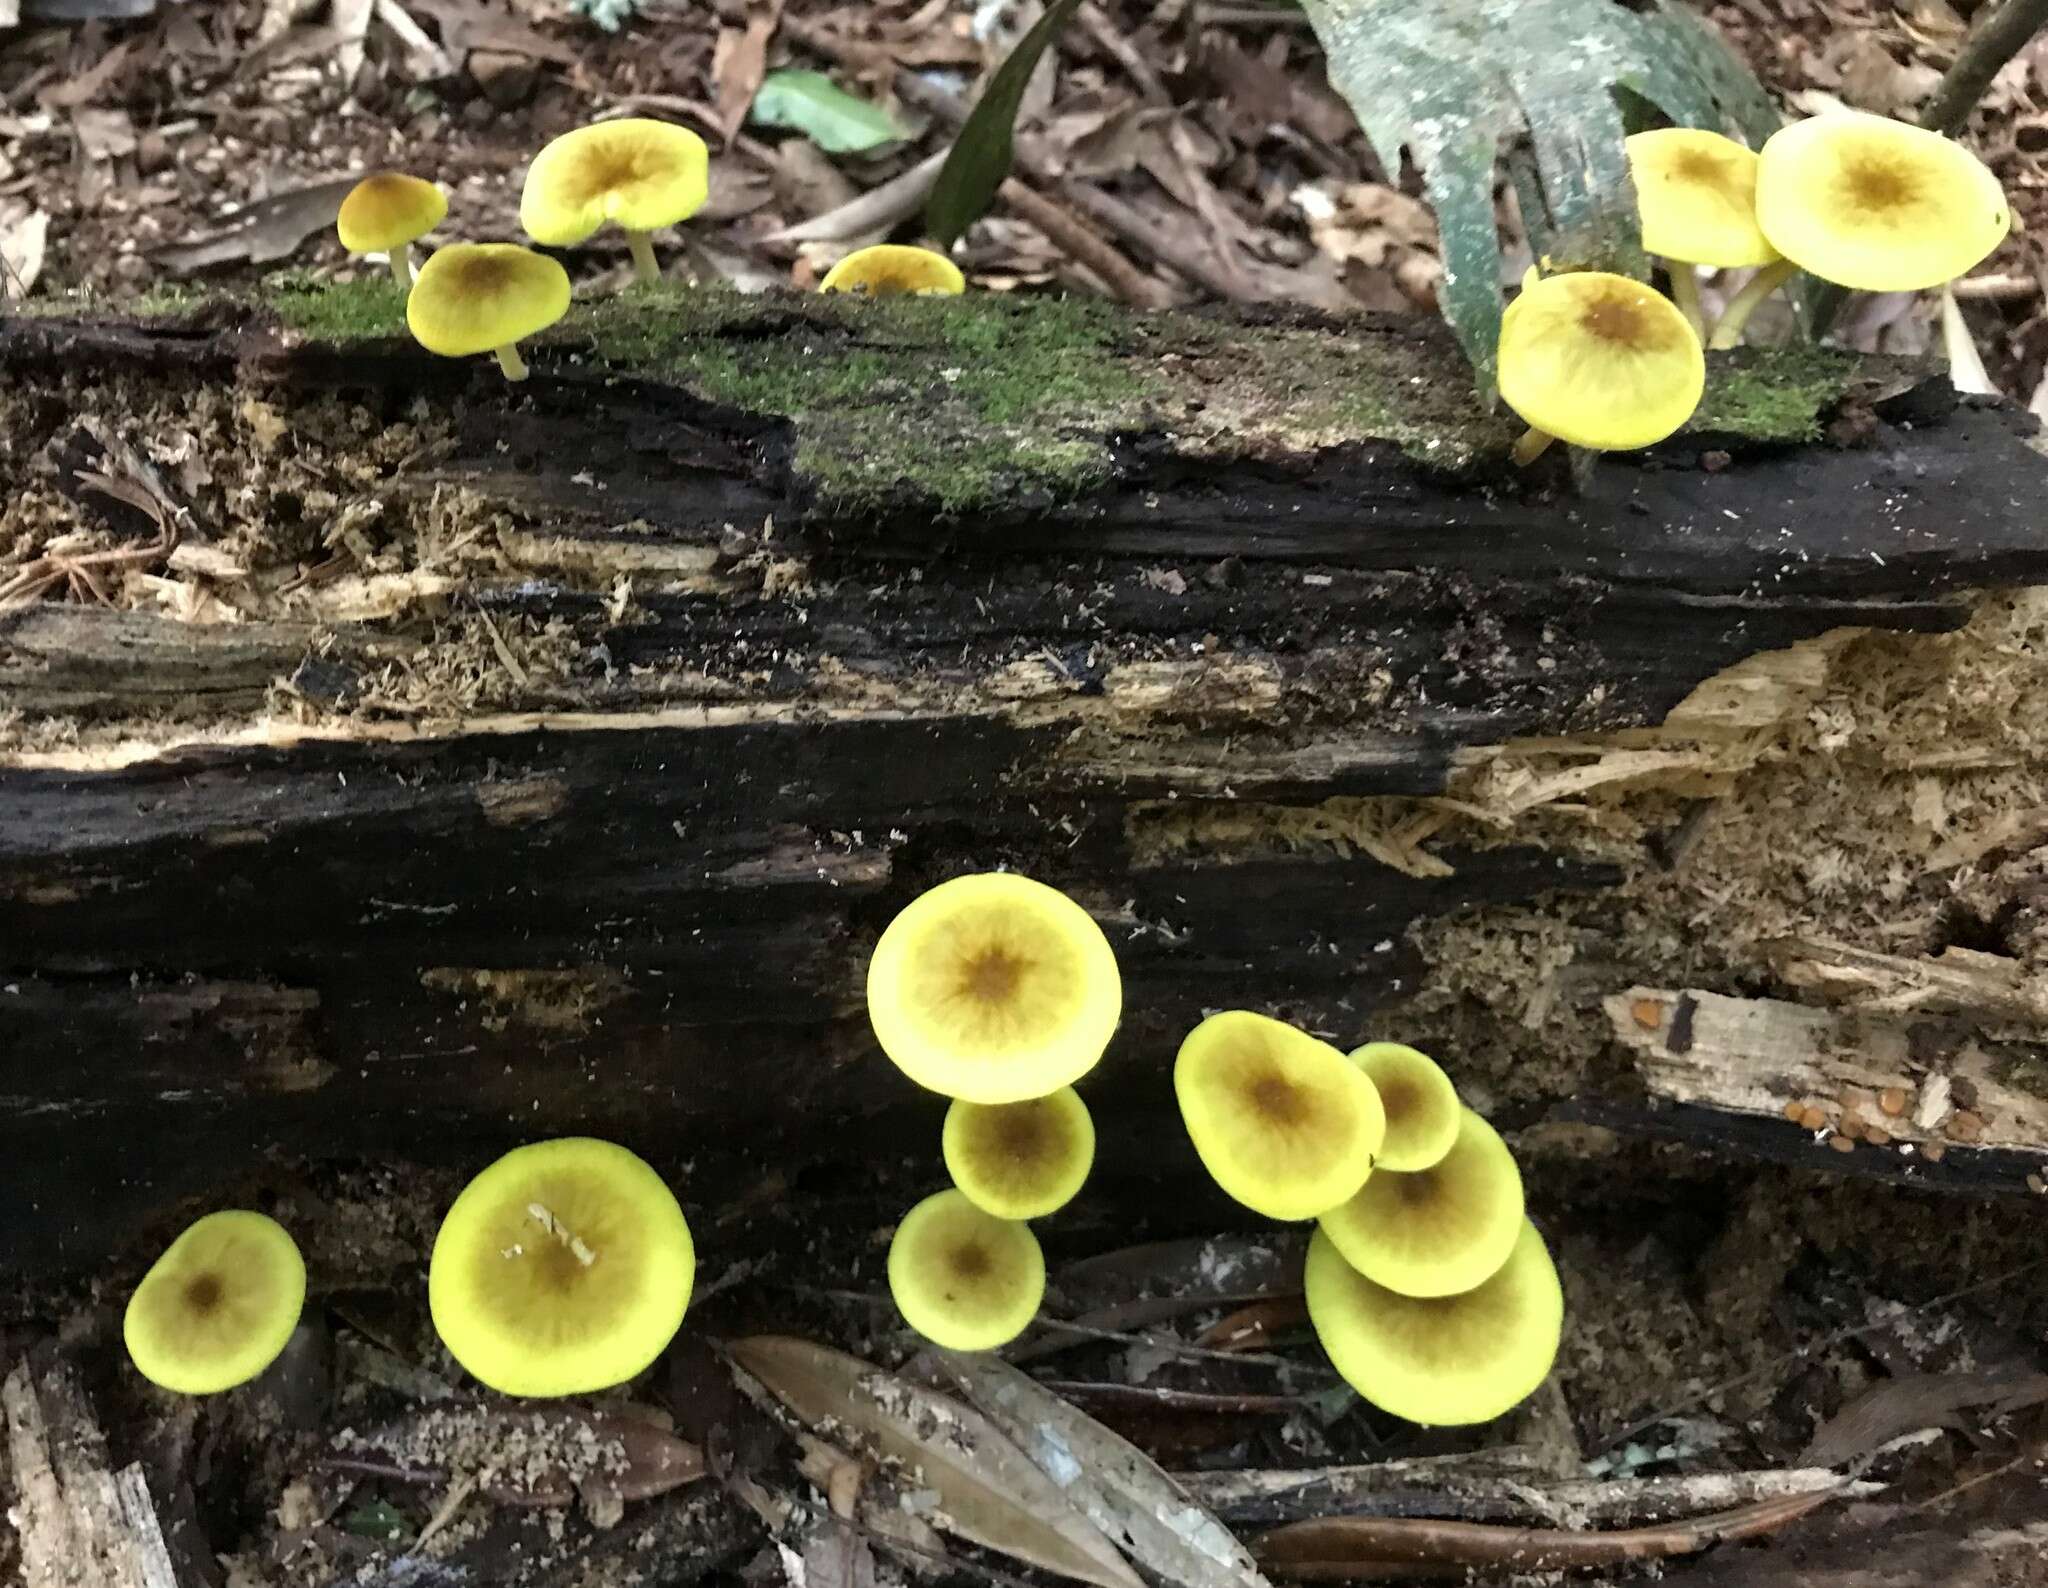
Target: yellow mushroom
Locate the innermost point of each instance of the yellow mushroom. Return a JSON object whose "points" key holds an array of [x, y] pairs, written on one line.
{"points": [[1599, 361], [1871, 203], [637, 174], [384, 213], [963, 1278], [890, 270], [1441, 1360], [1421, 1105], [1283, 1122], [1696, 195], [1020, 1160], [482, 298], [994, 988], [1439, 1230], [219, 1305], [564, 1267]]}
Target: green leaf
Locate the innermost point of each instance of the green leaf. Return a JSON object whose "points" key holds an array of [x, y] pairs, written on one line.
{"points": [[812, 104], [982, 153], [376, 1519], [1452, 81]]}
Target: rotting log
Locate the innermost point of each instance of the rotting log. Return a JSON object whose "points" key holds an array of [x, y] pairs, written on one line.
{"points": [[429, 762]]}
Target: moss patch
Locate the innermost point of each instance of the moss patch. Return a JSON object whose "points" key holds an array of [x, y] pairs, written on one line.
{"points": [[371, 309], [1773, 394]]}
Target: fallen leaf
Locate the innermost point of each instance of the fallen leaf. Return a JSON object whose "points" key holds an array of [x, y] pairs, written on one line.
{"points": [[738, 63], [812, 104], [86, 86], [837, 1557], [1156, 1522], [24, 235], [1217, 1268], [466, 26], [1385, 1549], [268, 229], [989, 1492], [1920, 1400]]}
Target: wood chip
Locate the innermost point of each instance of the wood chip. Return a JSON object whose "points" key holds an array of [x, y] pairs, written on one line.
{"points": [[1892, 1100]]}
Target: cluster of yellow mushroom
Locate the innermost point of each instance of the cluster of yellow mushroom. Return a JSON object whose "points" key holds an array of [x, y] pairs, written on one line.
{"points": [[998, 992], [1427, 1285], [637, 174], [1601, 361], [565, 1267]]}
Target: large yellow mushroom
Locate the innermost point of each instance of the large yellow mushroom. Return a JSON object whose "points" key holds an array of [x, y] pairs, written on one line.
{"points": [[219, 1305], [1441, 1360], [1870, 203], [1696, 194], [1599, 361], [637, 174], [564, 1267], [1283, 1122], [482, 298], [962, 1277], [1439, 1230], [994, 988]]}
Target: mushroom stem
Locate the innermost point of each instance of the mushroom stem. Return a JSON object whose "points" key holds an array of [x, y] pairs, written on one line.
{"points": [[1728, 330], [401, 266], [1685, 292], [644, 267], [510, 362], [1532, 445]]}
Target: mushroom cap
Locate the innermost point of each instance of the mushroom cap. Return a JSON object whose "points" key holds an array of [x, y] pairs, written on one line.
{"points": [[994, 988], [1020, 1160], [1283, 1122], [1421, 1105], [1599, 360], [640, 174], [473, 297], [563, 1268], [889, 270], [1442, 1360], [963, 1278], [1696, 194], [387, 210], [1439, 1230], [219, 1305], [1877, 204]]}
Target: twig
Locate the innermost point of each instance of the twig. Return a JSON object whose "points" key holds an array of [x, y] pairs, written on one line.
{"points": [[1999, 289], [1993, 42], [457, 1497], [1122, 277], [1254, 16], [1104, 35], [895, 200]]}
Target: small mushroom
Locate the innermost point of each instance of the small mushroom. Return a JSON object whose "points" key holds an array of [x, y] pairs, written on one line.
{"points": [[1421, 1105], [384, 213], [482, 298], [219, 1305], [1438, 1230], [1870, 203], [1443, 1360], [1283, 1122], [893, 270], [1696, 195], [1599, 361], [994, 988], [636, 173], [1020, 1160], [563, 1268], [963, 1278]]}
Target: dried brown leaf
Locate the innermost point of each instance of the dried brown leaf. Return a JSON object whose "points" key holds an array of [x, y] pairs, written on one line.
{"points": [[1920, 1400], [269, 229], [738, 63], [1114, 1484], [989, 1492]]}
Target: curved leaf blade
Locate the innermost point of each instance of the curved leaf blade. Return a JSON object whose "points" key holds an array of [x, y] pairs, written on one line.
{"points": [[983, 152]]}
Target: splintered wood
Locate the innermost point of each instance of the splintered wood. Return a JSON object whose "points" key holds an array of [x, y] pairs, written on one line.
{"points": [[81, 1525], [1849, 1076]]}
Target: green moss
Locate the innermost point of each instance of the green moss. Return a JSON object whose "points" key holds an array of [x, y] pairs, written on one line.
{"points": [[952, 401], [1773, 394], [338, 311]]}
